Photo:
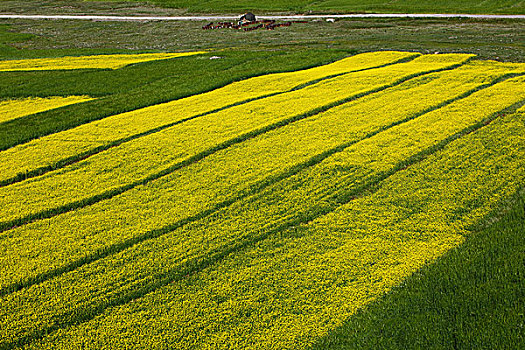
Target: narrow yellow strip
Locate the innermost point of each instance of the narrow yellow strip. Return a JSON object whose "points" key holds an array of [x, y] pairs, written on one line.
{"points": [[87, 62], [13, 109]]}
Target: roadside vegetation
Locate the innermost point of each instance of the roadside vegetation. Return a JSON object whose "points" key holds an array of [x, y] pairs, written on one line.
{"points": [[350, 6]]}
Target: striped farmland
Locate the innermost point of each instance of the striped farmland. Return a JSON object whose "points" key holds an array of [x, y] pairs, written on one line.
{"points": [[263, 224]]}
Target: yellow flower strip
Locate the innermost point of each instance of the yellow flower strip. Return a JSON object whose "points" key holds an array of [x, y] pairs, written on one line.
{"points": [[13, 109], [148, 155], [295, 286], [290, 199], [49, 150], [87, 62]]}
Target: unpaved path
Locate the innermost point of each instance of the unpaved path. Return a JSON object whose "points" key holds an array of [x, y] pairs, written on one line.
{"points": [[230, 18]]}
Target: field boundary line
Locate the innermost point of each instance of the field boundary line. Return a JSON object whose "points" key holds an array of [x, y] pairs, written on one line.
{"points": [[84, 155], [199, 263], [49, 213], [253, 190]]}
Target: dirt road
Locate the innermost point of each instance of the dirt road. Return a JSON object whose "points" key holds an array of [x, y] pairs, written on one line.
{"points": [[230, 18]]}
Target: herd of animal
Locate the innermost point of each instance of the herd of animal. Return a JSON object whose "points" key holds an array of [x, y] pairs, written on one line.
{"points": [[249, 26]]}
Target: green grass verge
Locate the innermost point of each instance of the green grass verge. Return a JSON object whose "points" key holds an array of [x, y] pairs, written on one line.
{"points": [[472, 298], [345, 6], [8, 37], [176, 7]]}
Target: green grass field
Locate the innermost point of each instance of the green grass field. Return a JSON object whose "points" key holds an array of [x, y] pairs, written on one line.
{"points": [[303, 191], [351, 6], [172, 7]]}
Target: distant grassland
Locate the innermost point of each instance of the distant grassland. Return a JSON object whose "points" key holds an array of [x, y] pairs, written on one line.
{"points": [[263, 214], [349, 6]]}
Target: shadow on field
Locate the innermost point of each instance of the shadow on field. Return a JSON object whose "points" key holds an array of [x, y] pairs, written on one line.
{"points": [[471, 298]]}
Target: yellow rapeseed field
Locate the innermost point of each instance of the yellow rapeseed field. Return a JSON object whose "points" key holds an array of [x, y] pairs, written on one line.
{"points": [[87, 62], [296, 285], [13, 109], [183, 141], [51, 149], [263, 225]]}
